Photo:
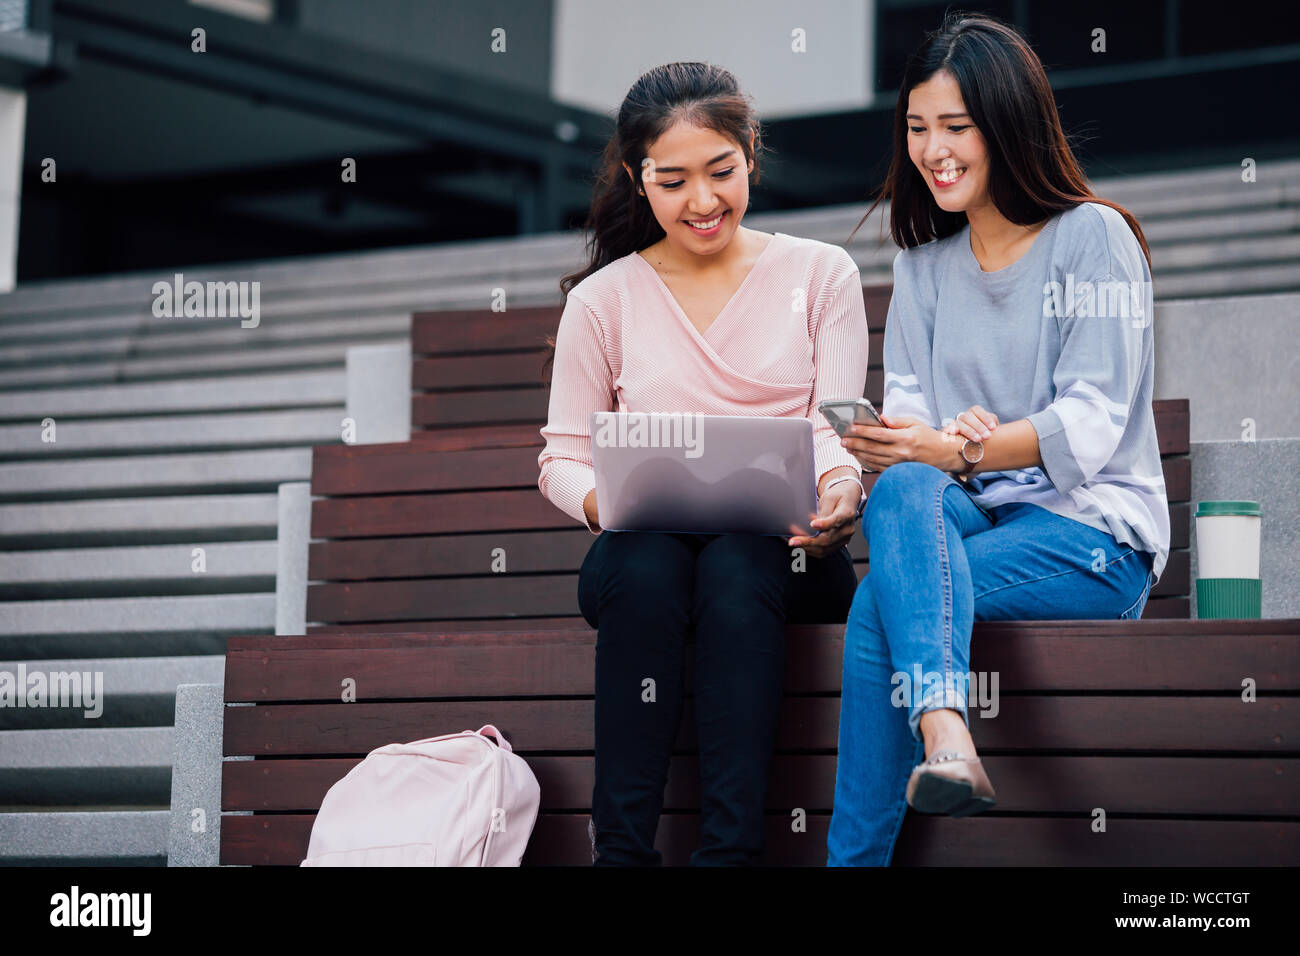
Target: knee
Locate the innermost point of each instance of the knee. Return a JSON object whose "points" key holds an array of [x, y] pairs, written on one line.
{"points": [[730, 552], [742, 563], [647, 564], [904, 485], [741, 579]]}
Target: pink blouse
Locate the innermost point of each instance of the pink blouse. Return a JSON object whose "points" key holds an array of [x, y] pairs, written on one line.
{"points": [[793, 334]]}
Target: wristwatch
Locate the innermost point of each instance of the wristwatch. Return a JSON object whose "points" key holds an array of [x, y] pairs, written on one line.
{"points": [[971, 455]]}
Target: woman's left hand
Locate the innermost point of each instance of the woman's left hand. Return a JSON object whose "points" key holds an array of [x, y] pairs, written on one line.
{"points": [[837, 513], [905, 439]]}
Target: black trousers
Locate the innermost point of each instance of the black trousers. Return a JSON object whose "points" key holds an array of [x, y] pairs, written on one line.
{"points": [[645, 593]]}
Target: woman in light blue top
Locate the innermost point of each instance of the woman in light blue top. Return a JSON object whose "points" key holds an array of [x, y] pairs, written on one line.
{"points": [[1021, 475]]}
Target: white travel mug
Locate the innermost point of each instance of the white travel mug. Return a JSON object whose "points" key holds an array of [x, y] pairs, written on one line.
{"points": [[1227, 559]]}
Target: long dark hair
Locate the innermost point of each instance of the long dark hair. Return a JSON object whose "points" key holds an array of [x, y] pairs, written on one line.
{"points": [[1032, 170], [620, 220]]}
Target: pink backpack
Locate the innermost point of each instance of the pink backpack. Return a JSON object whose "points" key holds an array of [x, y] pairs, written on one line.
{"points": [[455, 800]]}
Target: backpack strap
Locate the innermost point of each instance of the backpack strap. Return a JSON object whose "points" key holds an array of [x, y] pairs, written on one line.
{"points": [[500, 737]]}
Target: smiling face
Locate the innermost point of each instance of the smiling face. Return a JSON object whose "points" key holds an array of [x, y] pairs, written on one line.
{"points": [[696, 175], [945, 146]]}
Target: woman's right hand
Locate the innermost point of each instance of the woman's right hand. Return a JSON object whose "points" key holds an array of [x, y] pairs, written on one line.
{"points": [[836, 518], [976, 423]]}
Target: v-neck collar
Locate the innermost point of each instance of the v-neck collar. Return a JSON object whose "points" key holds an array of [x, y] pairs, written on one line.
{"points": [[681, 313]]}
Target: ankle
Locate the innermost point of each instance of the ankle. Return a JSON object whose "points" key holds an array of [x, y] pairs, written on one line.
{"points": [[945, 730]]}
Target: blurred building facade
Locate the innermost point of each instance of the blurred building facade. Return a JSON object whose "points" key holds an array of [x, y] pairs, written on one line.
{"points": [[148, 133]]}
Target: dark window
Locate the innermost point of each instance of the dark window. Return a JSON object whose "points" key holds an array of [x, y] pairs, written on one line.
{"points": [[901, 26], [1208, 26], [1061, 33]]}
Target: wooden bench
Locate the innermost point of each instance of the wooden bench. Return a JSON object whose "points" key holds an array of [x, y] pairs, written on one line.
{"points": [[403, 597], [1142, 719]]}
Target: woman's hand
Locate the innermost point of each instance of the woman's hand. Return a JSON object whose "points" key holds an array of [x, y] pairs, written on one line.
{"points": [[975, 423], [837, 513], [904, 439]]}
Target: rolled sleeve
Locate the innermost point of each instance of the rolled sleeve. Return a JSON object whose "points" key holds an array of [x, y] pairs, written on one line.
{"points": [[581, 383], [840, 358], [1095, 383]]}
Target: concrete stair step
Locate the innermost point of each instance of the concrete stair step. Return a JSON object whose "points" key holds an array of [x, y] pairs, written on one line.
{"points": [[133, 626], [259, 470], [157, 338], [136, 691], [110, 765], [271, 390], [179, 518], [169, 433], [1242, 281], [151, 569], [108, 838], [181, 367], [1189, 190]]}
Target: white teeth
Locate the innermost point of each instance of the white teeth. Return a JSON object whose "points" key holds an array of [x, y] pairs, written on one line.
{"points": [[706, 226], [949, 175]]}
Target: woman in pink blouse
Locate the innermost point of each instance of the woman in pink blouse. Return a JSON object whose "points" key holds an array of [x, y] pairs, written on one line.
{"points": [[682, 310]]}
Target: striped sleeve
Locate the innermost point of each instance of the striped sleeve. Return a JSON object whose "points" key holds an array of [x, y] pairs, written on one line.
{"points": [[1095, 381], [840, 358], [1105, 345], [581, 383]]}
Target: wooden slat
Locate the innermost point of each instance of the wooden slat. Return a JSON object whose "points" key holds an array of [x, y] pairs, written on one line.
{"points": [[487, 407], [1040, 656], [431, 556], [1178, 608], [986, 840], [1180, 525], [1178, 478], [526, 595], [377, 514], [479, 436], [502, 370], [1184, 786], [477, 330], [361, 559], [1025, 723], [476, 625], [1173, 425], [518, 369], [1177, 576], [412, 466]]}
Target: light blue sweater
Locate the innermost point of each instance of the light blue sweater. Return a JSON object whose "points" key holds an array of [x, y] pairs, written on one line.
{"points": [[1062, 337]]}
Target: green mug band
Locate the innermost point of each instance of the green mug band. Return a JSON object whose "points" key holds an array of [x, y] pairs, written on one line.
{"points": [[1228, 597]]}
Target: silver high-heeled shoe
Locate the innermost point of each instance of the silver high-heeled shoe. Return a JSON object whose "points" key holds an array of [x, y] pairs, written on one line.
{"points": [[950, 783]]}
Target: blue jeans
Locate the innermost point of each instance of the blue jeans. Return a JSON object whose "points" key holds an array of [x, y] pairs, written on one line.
{"points": [[939, 562]]}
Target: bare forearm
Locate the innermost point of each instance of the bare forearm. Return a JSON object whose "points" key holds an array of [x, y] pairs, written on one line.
{"points": [[589, 508], [1012, 445], [833, 474]]}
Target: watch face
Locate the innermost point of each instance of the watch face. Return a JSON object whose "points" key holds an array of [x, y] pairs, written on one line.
{"points": [[975, 452]]}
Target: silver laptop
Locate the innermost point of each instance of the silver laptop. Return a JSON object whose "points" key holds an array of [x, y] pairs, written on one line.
{"points": [[703, 474]]}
